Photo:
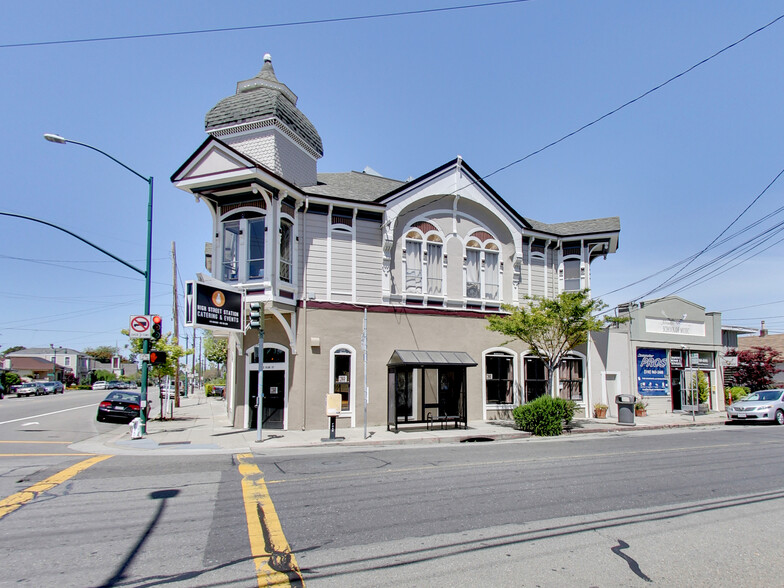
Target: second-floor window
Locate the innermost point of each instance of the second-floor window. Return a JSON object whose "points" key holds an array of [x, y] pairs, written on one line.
{"points": [[424, 261], [242, 247], [482, 282], [285, 250]]}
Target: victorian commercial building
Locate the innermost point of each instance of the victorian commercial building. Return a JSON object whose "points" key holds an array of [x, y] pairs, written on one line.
{"points": [[375, 289]]}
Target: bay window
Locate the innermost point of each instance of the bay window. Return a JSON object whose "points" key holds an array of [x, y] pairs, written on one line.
{"points": [[243, 247], [285, 250]]}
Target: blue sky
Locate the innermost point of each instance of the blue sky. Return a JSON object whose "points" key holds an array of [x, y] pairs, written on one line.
{"points": [[402, 95]]}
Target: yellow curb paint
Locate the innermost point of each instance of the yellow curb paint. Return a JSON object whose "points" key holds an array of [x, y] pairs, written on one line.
{"points": [[275, 564], [10, 504]]}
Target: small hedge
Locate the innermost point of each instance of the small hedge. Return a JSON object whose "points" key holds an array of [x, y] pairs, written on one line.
{"points": [[545, 416]]}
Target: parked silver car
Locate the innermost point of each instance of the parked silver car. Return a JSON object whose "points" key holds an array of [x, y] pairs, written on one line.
{"points": [[763, 405], [28, 389], [53, 387]]}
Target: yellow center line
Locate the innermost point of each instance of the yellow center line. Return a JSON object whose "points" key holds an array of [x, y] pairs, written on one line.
{"points": [[275, 564], [10, 504]]}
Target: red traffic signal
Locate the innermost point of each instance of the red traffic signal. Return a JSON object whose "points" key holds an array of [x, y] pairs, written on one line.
{"points": [[156, 327], [157, 357]]}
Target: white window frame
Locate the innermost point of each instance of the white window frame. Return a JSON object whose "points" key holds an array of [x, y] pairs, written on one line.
{"points": [[344, 349], [292, 254], [515, 380], [489, 246], [243, 245]]}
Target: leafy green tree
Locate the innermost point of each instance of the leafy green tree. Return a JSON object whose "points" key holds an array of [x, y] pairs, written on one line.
{"points": [[102, 353], [10, 379], [551, 327], [104, 375], [14, 348], [216, 350], [173, 354]]}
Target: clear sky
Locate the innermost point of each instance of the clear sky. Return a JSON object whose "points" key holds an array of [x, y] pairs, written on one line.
{"points": [[403, 95]]}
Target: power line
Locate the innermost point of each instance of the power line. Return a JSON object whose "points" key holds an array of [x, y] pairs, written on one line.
{"points": [[263, 26]]}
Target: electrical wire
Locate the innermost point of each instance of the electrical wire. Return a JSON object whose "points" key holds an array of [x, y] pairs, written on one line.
{"points": [[264, 26]]}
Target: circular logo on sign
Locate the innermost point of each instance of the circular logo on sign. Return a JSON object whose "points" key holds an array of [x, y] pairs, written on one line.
{"points": [[218, 299]]}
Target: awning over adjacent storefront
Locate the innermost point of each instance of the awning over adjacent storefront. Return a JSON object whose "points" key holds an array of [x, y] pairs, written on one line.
{"points": [[430, 359]]}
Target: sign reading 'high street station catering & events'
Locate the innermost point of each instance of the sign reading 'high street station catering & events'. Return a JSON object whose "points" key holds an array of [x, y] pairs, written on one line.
{"points": [[212, 308]]}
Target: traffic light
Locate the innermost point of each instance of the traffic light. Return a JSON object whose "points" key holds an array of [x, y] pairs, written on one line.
{"points": [[255, 315], [157, 357], [156, 327]]}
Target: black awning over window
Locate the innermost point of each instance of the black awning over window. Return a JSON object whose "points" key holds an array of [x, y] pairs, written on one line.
{"points": [[430, 359]]}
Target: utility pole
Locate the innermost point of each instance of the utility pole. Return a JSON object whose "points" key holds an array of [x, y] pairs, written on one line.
{"points": [[176, 323]]}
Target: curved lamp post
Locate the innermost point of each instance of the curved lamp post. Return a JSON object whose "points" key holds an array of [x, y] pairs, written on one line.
{"points": [[146, 342]]}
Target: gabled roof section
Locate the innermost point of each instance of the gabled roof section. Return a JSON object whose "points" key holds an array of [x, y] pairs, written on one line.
{"points": [[352, 186], [212, 157], [473, 179]]}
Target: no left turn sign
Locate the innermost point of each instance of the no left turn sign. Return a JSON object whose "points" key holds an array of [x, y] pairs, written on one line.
{"points": [[141, 327]]}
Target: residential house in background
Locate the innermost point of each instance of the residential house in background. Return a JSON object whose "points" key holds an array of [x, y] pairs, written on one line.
{"points": [[67, 360], [374, 289]]}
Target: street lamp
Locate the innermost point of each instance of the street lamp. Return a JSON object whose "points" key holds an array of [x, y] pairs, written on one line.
{"points": [[146, 342]]}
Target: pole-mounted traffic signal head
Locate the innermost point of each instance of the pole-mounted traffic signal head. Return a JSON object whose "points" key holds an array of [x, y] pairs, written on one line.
{"points": [[156, 327], [255, 315], [157, 357]]}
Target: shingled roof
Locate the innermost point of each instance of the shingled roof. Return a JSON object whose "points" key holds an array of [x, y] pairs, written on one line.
{"points": [[263, 97], [352, 186], [583, 227]]}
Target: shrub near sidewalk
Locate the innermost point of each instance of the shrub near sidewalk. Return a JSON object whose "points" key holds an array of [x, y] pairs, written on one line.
{"points": [[545, 416]]}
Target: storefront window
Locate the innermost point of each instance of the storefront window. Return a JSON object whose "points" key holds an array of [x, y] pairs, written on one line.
{"points": [[535, 378], [499, 378]]}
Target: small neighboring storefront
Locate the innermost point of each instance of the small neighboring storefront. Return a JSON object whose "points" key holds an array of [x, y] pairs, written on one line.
{"points": [[666, 354]]}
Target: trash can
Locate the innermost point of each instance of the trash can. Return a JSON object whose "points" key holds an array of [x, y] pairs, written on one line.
{"points": [[625, 404]]}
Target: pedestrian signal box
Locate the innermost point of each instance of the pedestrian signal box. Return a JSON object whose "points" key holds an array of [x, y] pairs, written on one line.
{"points": [[157, 357]]}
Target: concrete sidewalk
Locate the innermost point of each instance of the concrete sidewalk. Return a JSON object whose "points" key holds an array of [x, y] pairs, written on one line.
{"points": [[200, 425]]}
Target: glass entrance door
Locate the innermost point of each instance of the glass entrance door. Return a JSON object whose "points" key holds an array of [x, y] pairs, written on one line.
{"points": [[273, 405]]}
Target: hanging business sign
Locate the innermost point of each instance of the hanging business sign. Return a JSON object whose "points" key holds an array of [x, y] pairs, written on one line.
{"points": [[652, 373], [209, 307]]}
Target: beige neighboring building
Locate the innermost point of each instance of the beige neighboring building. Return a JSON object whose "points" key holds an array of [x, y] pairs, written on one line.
{"points": [[421, 262]]}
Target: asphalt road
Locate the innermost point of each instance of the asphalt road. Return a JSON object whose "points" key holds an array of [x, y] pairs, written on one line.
{"points": [[697, 508]]}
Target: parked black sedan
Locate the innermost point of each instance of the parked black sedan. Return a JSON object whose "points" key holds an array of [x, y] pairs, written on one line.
{"points": [[120, 405]]}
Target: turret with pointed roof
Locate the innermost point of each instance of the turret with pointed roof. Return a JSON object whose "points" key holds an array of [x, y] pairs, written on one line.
{"points": [[262, 121]]}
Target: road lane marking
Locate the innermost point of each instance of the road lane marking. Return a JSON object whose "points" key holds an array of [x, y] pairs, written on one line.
{"points": [[31, 424], [275, 563], [10, 504], [38, 416]]}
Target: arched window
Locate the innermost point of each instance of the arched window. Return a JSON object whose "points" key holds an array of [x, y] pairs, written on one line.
{"points": [[414, 262], [570, 378], [342, 372], [499, 378], [483, 267], [435, 261]]}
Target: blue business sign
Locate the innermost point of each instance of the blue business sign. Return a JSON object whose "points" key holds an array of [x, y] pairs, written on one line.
{"points": [[652, 377]]}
